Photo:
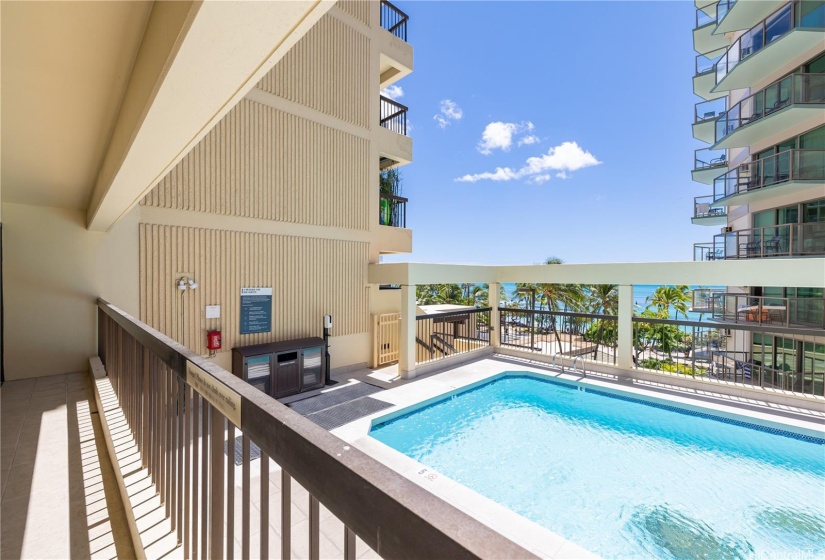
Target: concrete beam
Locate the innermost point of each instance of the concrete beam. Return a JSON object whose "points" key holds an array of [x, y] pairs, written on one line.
{"points": [[422, 273], [196, 61], [789, 272]]}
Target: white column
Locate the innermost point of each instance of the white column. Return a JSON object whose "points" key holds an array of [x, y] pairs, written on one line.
{"points": [[495, 319], [406, 357], [624, 351]]}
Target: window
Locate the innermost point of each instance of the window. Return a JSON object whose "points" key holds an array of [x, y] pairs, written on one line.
{"points": [[813, 140], [813, 212], [816, 66]]}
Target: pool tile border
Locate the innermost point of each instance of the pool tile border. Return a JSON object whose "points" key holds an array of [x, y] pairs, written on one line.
{"points": [[688, 412]]}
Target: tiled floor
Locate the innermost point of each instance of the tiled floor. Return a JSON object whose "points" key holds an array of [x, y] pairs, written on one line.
{"points": [[59, 494]]}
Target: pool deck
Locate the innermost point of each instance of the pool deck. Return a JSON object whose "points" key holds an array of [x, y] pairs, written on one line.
{"points": [[418, 392]]}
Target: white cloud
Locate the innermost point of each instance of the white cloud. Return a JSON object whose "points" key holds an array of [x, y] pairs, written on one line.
{"points": [[527, 140], [500, 174], [394, 92], [499, 135], [538, 179], [448, 111], [567, 156]]}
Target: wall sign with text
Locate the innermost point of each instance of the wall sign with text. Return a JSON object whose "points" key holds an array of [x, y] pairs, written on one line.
{"points": [[256, 310]]}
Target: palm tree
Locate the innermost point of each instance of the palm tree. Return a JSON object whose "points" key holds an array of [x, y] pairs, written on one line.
{"points": [[604, 299], [556, 296], [665, 297]]}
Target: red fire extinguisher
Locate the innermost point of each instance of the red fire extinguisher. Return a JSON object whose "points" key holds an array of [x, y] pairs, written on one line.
{"points": [[213, 340]]}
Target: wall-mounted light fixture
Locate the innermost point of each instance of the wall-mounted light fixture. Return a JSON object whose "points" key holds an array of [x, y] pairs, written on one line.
{"points": [[186, 283]]}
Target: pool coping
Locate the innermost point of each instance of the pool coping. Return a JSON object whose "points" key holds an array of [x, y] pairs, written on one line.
{"points": [[523, 531]]}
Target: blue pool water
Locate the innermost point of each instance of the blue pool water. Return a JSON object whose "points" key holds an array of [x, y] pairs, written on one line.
{"points": [[621, 478]]}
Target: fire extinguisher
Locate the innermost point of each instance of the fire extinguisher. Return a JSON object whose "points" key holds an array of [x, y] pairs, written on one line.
{"points": [[213, 340]]}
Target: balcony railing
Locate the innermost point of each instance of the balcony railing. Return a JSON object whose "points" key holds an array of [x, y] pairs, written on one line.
{"points": [[702, 208], [185, 411], [707, 158], [442, 335], [694, 349], [727, 353], [762, 310], [787, 240], [774, 311], [568, 334], [703, 19], [787, 166], [394, 20], [706, 63], [722, 9], [709, 110], [393, 210], [799, 13], [797, 89], [393, 115]]}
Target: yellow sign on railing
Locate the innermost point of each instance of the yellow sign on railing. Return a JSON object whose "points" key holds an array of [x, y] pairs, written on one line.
{"points": [[227, 401]]}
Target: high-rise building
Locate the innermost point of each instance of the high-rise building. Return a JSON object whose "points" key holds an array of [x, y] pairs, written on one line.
{"points": [[760, 71]]}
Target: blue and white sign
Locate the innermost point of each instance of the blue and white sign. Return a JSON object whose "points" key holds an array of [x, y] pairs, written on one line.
{"points": [[256, 310]]}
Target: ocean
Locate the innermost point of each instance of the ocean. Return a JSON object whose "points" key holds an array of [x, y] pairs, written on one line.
{"points": [[640, 295]]}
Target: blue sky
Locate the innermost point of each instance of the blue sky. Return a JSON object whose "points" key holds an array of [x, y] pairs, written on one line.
{"points": [[612, 77]]}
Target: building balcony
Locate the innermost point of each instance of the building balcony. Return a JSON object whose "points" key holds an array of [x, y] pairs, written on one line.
{"points": [[787, 240], [709, 7], [394, 115], [395, 53], [732, 15], [788, 172], [773, 311], [708, 164], [704, 77], [704, 39], [795, 100], [394, 145], [777, 44], [704, 118], [393, 210], [704, 214]]}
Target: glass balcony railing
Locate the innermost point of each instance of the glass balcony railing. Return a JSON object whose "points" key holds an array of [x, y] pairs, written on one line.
{"points": [[796, 14], [703, 19], [790, 165], [722, 9], [796, 89], [706, 63], [710, 110], [786, 240], [707, 158], [702, 208], [763, 310]]}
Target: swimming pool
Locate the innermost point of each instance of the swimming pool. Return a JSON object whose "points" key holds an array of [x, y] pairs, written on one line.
{"points": [[622, 477]]}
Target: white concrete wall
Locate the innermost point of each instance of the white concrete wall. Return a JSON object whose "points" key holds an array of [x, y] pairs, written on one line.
{"points": [[54, 270]]}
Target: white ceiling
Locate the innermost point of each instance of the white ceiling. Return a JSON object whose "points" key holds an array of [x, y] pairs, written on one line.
{"points": [[65, 68]]}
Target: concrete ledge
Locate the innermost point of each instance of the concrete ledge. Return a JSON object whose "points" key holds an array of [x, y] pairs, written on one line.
{"points": [[149, 527], [453, 361]]}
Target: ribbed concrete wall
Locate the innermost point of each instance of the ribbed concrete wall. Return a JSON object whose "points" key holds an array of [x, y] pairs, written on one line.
{"points": [[309, 277], [328, 70], [259, 162], [359, 9]]}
